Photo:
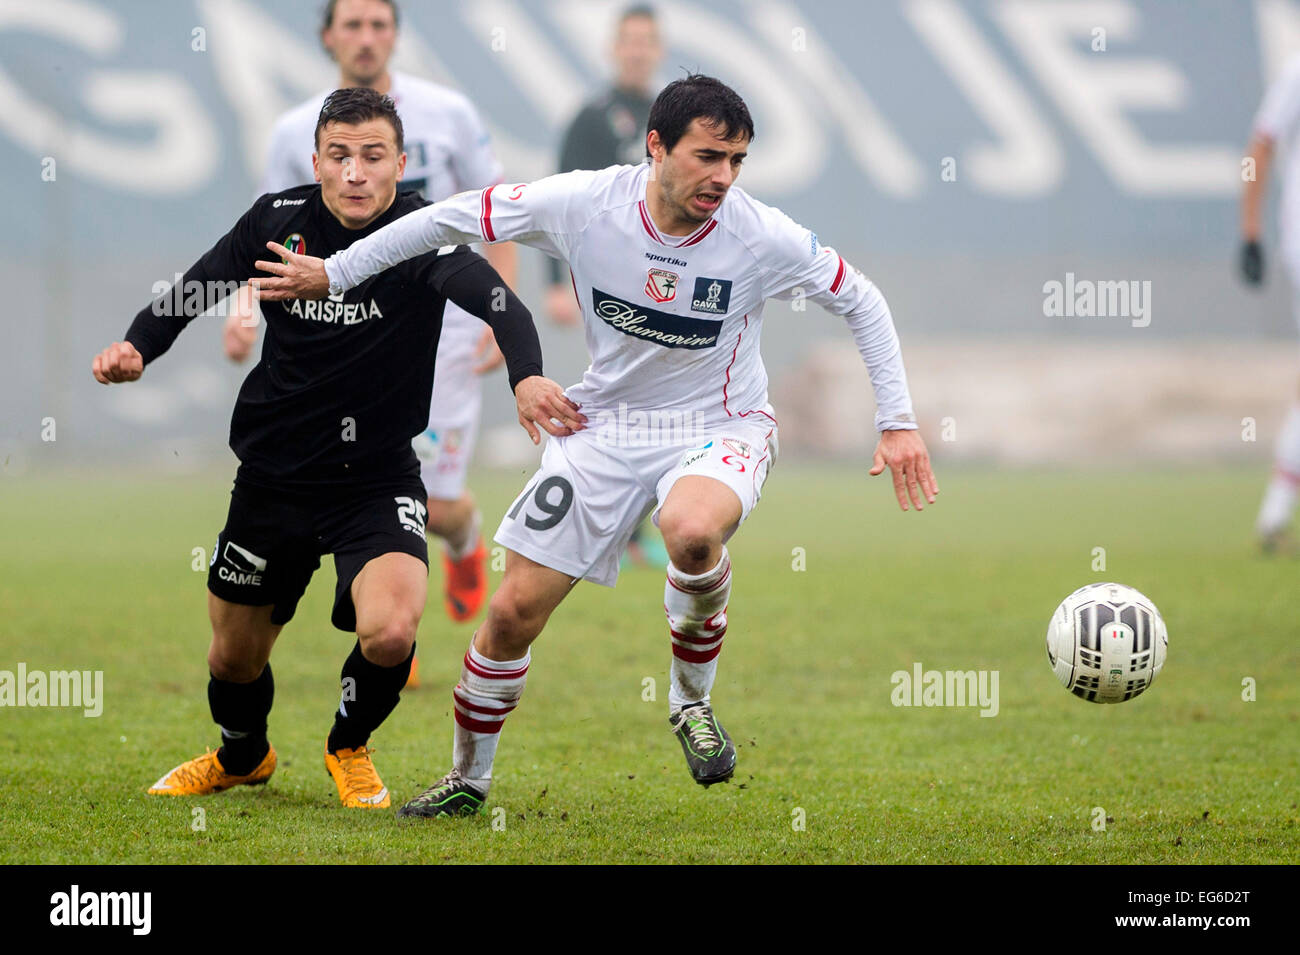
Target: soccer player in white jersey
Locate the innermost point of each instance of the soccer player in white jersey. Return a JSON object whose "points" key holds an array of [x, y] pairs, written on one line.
{"points": [[672, 265], [1276, 125], [447, 151]]}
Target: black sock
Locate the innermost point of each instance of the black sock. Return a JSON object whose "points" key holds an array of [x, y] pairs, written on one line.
{"points": [[240, 709], [369, 694]]}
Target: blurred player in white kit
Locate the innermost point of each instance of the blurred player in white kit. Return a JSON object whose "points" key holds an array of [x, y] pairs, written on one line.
{"points": [[1274, 131], [447, 152]]}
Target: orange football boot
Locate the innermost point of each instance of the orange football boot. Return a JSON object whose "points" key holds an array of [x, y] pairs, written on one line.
{"points": [[359, 784], [466, 583], [205, 774], [413, 678]]}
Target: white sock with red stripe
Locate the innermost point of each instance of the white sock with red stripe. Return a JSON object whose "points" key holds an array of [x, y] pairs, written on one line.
{"points": [[696, 605], [488, 690], [1279, 499]]}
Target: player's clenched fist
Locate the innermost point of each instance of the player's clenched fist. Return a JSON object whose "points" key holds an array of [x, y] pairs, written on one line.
{"points": [[118, 362], [540, 400]]}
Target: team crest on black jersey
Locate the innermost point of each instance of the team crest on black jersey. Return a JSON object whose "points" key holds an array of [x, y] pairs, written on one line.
{"points": [[295, 244], [711, 295], [662, 285]]}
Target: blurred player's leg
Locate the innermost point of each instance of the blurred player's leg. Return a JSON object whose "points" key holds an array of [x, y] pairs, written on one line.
{"points": [[1278, 506], [492, 680], [464, 558], [1276, 510], [445, 450], [240, 693]]}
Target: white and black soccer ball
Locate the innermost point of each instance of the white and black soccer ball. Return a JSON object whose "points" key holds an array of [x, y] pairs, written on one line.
{"points": [[1106, 643]]}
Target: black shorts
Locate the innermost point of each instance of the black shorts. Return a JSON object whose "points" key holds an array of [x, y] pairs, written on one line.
{"points": [[273, 541]]}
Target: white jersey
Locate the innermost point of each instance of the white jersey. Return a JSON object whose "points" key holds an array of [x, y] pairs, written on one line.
{"points": [[1278, 119], [672, 323], [447, 151]]}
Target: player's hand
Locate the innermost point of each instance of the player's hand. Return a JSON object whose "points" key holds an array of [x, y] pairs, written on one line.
{"points": [[904, 453], [488, 353], [1252, 262], [298, 276], [542, 401], [118, 362], [562, 306], [240, 332]]}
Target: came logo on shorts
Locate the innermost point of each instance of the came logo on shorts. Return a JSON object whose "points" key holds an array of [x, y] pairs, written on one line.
{"points": [[240, 565], [694, 455]]}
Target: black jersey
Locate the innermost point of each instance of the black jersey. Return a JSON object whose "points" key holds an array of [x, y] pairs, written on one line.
{"points": [[343, 384]]}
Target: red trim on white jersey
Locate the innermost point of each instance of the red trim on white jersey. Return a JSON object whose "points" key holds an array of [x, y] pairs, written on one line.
{"points": [[649, 226], [839, 275], [727, 382], [485, 217], [708, 227], [691, 239]]}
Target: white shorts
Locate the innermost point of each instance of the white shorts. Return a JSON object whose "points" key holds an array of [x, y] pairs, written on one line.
{"points": [[446, 447], [580, 509]]}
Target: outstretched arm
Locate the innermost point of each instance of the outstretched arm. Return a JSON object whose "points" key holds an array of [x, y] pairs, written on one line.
{"points": [[532, 213], [215, 276]]}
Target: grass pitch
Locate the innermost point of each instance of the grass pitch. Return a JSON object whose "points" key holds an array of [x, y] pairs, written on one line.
{"points": [[96, 574]]}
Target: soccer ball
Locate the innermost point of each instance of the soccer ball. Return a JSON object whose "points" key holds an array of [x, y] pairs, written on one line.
{"points": [[1106, 643]]}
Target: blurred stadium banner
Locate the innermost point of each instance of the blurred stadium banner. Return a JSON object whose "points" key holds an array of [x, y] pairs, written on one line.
{"points": [[969, 156]]}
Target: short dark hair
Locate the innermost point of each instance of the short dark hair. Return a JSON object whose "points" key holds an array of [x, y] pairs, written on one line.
{"points": [[698, 97], [356, 104], [332, 5], [636, 11]]}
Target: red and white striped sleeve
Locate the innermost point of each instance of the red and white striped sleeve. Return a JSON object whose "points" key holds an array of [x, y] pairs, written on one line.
{"points": [[541, 214]]}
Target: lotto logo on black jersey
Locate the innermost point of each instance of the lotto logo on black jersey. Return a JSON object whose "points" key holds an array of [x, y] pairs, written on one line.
{"points": [[652, 325], [711, 295]]}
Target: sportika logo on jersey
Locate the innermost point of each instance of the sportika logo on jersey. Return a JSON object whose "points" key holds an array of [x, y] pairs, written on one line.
{"points": [[671, 331]]}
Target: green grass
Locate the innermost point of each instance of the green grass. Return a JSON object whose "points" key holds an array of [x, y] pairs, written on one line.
{"points": [[95, 573]]}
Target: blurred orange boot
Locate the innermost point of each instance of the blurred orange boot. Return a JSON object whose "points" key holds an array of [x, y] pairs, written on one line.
{"points": [[466, 583]]}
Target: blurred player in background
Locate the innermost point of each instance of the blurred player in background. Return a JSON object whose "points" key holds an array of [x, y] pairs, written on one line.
{"points": [[322, 428], [1275, 128], [673, 266], [447, 152], [611, 131]]}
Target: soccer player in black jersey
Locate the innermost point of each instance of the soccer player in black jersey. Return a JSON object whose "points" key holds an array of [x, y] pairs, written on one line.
{"points": [[322, 428]]}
